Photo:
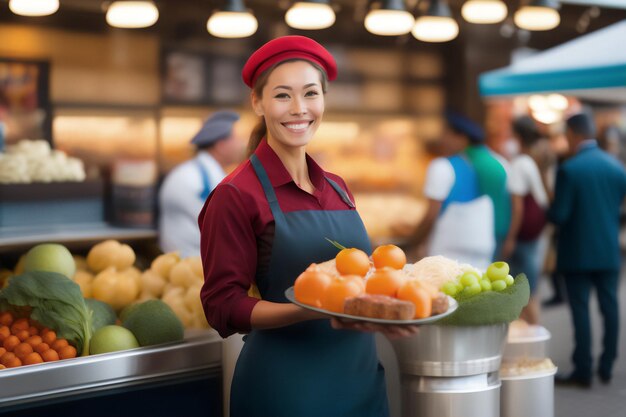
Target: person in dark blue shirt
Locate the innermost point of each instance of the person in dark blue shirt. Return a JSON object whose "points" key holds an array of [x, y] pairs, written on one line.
{"points": [[590, 188]]}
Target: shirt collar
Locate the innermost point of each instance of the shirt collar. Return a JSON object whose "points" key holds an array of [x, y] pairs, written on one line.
{"points": [[586, 144], [209, 162], [278, 174]]}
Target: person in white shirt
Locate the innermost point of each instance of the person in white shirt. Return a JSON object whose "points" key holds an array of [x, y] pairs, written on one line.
{"points": [[188, 185], [530, 203], [459, 220]]}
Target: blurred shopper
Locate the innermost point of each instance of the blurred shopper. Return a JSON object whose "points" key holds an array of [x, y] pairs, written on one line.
{"points": [[530, 202], [459, 221], [590, 189], [188, 185], [264, 225]]}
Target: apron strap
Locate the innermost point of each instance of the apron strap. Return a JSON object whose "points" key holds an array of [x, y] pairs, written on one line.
{"points": [[342, 193], [206, 186], [267, 188]]}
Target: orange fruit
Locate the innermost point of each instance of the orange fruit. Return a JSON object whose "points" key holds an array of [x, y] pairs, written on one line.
{"points": [[10, 343], [352, 261], [10, 360], [384, 281], [32, 359], [22, 350], [4, 333], [67, 352], [338, 291], [34, 340], [6, 319], [389, 255], [311, 286], [415, 293], [20, 324], [49, 355], [22, 335], [356, 279], [6, 357], [42, 347], [48, 336], [32, 330], [58, 344]]}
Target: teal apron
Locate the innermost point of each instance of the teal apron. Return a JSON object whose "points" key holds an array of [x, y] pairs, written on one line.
{"points": [[307, 369]]}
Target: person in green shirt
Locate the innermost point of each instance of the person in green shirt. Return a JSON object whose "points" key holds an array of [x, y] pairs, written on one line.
{"points": [[491, 170]]}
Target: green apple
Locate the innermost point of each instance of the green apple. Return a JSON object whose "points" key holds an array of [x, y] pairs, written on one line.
{"points": [[498, 270], [111, 339], [50, 257]]}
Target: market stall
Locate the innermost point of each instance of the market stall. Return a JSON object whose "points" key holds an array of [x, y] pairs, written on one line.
{"points": [[589, 67]]}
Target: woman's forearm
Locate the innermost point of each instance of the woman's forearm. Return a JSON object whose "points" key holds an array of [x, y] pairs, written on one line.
{"points": [[268, 315]]}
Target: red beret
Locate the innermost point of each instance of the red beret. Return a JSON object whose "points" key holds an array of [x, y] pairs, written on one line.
{"points": [[284, 48]]}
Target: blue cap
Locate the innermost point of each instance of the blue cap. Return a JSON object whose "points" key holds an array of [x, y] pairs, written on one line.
{"points": [[216, 127], [465, 126]]}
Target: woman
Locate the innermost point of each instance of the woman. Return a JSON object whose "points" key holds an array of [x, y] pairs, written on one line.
{"points": [[263, 225], [529, 202]]}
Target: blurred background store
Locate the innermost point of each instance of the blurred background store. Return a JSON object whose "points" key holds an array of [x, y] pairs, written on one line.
{"points": [[112, 97], [121, 104]]}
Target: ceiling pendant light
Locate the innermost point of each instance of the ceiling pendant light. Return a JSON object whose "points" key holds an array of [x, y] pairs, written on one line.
{"points": [[389, 18], [232, 21], [34, 7], [484, 11], [310, 15], [436, 25], [132, 14], [538, 15]]}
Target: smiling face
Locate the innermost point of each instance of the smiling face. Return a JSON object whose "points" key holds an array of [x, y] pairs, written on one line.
{"points": [[292, 103]]}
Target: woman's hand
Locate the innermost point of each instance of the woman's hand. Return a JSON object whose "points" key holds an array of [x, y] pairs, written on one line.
{"points": [[389, 330]]}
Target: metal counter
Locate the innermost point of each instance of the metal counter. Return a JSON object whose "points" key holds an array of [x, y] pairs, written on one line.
{"points": [[199, 352]]}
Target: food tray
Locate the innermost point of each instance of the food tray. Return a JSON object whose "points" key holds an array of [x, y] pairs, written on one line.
{"points": [[452, 306]]}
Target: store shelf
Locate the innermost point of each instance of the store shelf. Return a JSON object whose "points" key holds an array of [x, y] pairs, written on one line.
{"points": [[201, 352], [17, 237]]}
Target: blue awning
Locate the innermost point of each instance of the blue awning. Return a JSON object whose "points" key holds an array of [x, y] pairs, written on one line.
{"points": [[592, 66]]}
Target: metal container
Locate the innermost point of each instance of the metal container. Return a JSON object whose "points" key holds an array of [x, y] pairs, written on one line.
{"points": [[452, 350], [466, 396], [528, 395], [529, 342]]}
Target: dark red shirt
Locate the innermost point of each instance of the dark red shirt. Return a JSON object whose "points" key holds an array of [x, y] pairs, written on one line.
{"points": [[237, 230]]}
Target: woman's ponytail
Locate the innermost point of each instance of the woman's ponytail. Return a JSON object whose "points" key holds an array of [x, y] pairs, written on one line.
{"points": [[258, 133]]}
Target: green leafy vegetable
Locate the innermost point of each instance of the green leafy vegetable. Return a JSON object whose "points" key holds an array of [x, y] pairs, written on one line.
{"points": [[56, 302]]}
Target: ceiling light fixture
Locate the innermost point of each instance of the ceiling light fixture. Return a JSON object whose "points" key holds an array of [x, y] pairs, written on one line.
{"points": [[34, 7], [538, 15], [132, 14], [389, 18], [232, 21], [484, 11], [310, 15], [437, 24]]}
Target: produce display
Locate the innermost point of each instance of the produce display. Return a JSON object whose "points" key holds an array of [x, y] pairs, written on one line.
{"points": [[31, 161], [56, 305], [379, 288]]}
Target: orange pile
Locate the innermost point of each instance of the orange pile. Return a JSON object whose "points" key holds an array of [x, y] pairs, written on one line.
{"points": [[24, 342], [318, 289]]}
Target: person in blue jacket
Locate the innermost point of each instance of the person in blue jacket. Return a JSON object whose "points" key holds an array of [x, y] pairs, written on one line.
{"points": [[589, 191]]}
